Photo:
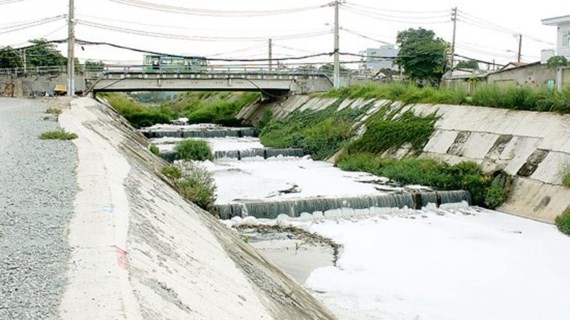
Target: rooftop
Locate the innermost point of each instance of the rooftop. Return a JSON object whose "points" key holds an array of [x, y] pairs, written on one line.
{"points": [[556, 20]]}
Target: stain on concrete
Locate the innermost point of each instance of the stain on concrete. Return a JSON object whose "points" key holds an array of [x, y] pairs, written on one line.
{"points": [[456, 147], [532, 163]]}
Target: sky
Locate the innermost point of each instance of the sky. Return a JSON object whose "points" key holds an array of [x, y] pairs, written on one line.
{"points": [[224, 29]]}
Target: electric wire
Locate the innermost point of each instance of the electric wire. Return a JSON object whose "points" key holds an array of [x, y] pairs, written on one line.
{"points": [[395, 11], [3, 2], [214, 13], [30, 24], [364, 36], [162, 35]]}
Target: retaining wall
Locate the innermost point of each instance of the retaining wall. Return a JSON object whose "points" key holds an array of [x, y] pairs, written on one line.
{"points": [[140, 251]]}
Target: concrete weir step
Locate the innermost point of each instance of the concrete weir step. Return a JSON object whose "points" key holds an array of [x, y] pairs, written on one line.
{"points": [[364, 204], [199, 133], [264, 153]]}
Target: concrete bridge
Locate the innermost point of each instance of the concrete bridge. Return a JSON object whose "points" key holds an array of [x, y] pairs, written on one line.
{"points": [[267, 81]]}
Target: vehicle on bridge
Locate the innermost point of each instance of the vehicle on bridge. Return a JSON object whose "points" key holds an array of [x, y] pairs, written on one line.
{"points": [[166, 63]]}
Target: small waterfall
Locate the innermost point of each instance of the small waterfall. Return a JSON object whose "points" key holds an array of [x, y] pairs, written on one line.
{"points": [[200, 133], [455, 196], [259, 152], [340, 206], [294, 208]]}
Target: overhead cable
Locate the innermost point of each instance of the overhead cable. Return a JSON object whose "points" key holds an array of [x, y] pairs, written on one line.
{"points": [[214, 13], [30, 24], [364, 36], [2, 2], [198, 38]]}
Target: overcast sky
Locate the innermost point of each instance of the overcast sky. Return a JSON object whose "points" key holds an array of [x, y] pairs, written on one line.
{"points": [[223, 36]]}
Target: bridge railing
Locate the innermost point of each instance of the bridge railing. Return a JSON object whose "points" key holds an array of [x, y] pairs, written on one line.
{"points": [[210, 69]]}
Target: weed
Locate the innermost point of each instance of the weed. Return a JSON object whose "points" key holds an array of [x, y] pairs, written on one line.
{"points": [[193, 182], [198, 150], [320, 133], [495, 196], [58, 135], [563, 222], [566, 176], [54, 111], [154, 149]]}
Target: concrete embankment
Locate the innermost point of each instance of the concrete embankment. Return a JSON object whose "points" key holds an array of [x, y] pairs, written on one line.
{"points": [[533, 147], [140, 251]]}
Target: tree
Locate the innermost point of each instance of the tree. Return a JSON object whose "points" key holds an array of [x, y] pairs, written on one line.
{"points": [[468, 64], [329, 68], [94, 66], [557, 61], [10, 58], [421, 54], [42, 53]]}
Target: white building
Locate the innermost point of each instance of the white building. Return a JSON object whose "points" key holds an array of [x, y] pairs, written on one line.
{"points": [[380, 58], [563, 42]]}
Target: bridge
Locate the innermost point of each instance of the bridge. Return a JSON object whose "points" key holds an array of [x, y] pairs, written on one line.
{"points": [[271, 82]]}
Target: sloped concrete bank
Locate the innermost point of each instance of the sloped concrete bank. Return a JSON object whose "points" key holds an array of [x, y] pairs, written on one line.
{"points": [[140, 251], [533, 147]]}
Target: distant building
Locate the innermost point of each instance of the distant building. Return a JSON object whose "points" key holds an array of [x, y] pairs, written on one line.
{"points": [[377, 59], [563, 42]]}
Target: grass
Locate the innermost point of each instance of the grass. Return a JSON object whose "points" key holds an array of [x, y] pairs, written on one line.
{"points": [[566, 176], [58, 135], [319, 133], [194, 183], [198, 150], [563, 222], [486, 95], [54, 111], [465, 175], [385, 131]]}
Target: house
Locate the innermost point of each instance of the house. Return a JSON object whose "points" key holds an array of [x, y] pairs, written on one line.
{"points": [[563, 39], [382, 58]]}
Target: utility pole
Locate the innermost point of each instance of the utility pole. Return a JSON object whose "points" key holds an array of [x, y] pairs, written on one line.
{"points": [[270, 55], [71, 49], [454, 19], [336, 77], [520, 48]]}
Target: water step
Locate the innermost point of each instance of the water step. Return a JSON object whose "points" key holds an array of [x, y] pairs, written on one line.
{"points": [[264, 153], [294, 208], [204, 133]]}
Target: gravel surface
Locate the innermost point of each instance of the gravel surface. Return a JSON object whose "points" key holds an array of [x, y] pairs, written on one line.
{"points": [[37, 189]]}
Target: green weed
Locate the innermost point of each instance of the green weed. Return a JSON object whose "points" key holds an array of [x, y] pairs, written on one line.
{"points": [[563, 222], [58, 135], [198, 150]]}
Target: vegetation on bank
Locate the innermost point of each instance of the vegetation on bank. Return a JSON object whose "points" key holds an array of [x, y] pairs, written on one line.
{"points": [[566, 176], [58, 135], [319, 133], [193, 182], [486, 95], [199, 107], [563, 222], [189, 150]]}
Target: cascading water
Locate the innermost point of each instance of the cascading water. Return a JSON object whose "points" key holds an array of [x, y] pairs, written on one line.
{"points": [[268, 182]]}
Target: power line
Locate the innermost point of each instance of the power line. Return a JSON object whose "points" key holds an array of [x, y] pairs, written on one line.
{"points": [[30, 24], [410, 20], [197, 38], [396, 11], [3, 2], [214, 13], [364, 36]]}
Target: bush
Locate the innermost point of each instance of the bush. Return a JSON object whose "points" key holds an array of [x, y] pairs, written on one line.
{"points": [[495, 196], [563, 222], [194, 183], [154, 149], [429, 172], [58, 135], [198, 150], [54, 111]]}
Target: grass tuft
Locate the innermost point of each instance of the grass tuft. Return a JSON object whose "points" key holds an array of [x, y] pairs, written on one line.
{"points": [[54, 111], [563, 222], [58, 135], [194, 183], [566, 176]]}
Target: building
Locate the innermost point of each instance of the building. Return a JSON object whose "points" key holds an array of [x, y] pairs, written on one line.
{"points": [[377, 59], [563, 42]]}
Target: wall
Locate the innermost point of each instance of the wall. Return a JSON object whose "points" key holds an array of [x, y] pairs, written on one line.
{"points": [[533, 147], [26, 86], [534, 76], [140, 251]]}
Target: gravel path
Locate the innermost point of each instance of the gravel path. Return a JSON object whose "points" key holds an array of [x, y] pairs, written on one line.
{"points": [[37, 189]]}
